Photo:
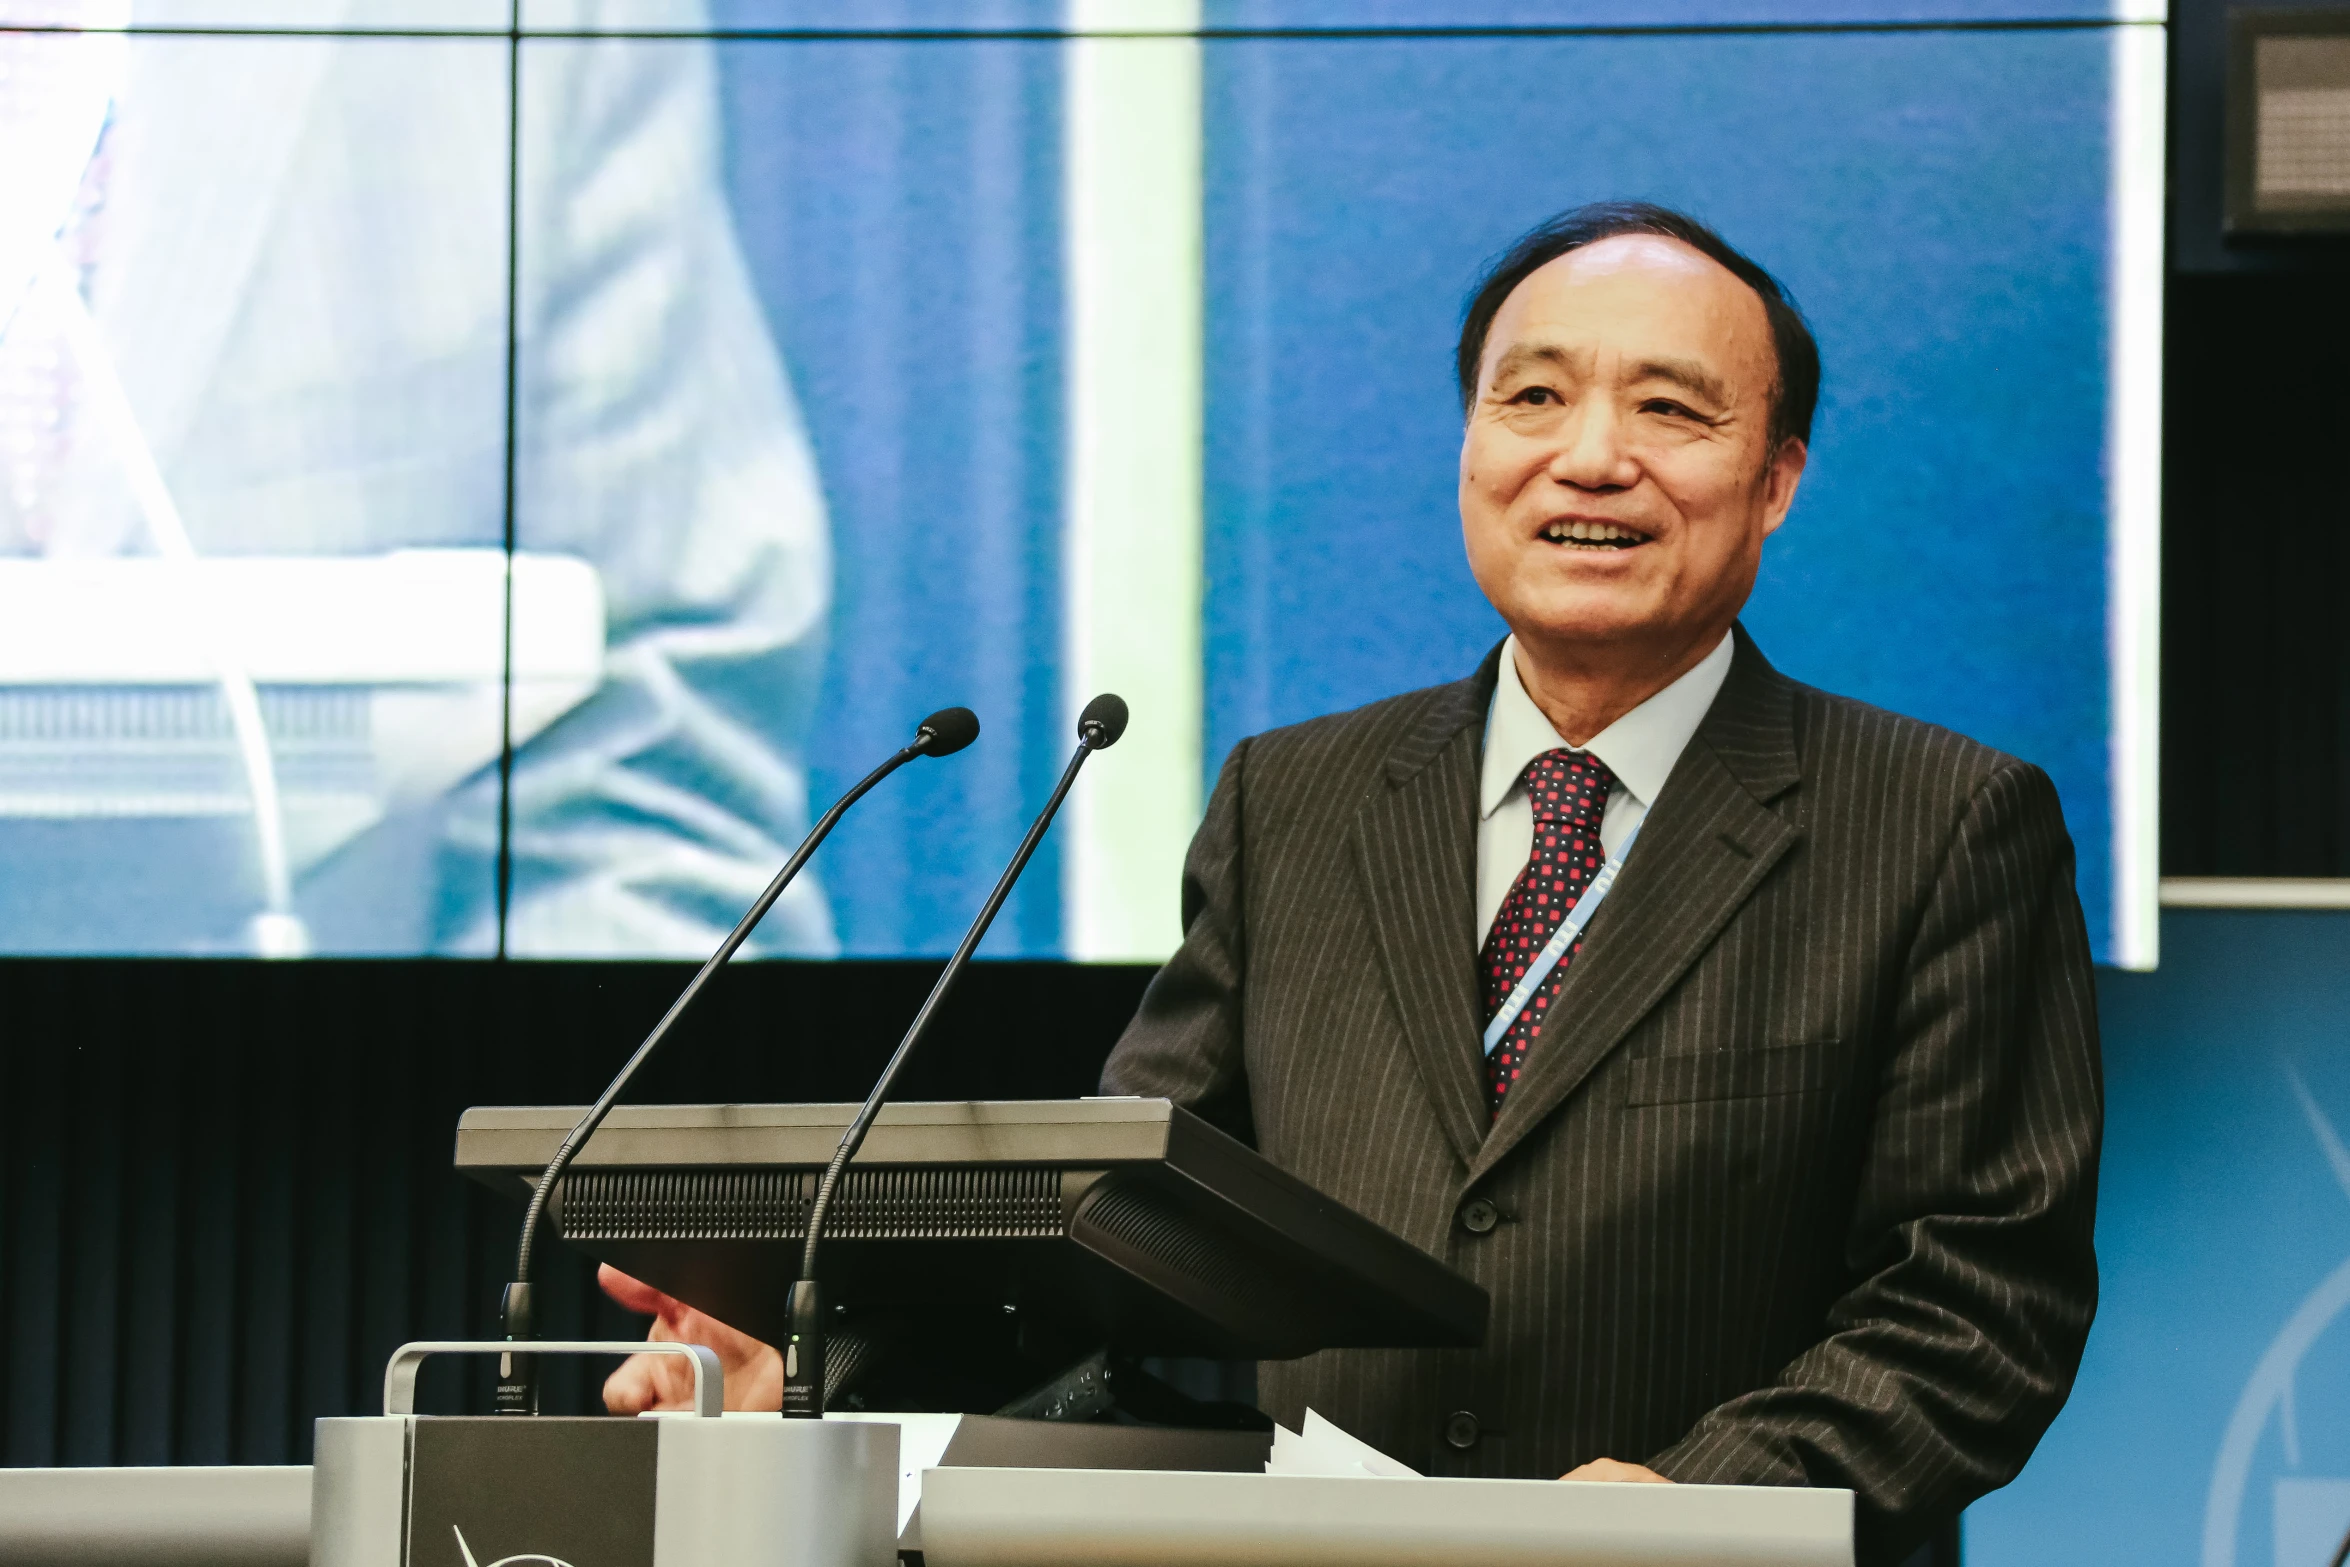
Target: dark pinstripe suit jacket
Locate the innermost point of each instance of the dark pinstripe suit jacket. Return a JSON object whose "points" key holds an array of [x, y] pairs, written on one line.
{"points": [[1797, 1186]]}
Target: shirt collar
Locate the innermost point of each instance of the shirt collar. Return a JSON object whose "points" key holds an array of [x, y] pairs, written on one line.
{"points": [[1640, 748]]}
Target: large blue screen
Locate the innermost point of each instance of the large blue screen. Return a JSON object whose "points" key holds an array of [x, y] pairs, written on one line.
{"points": [[473, 491]]}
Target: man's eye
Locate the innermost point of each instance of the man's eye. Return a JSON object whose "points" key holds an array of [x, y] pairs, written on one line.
{"points": [[1539, 396], [1669, 408]]}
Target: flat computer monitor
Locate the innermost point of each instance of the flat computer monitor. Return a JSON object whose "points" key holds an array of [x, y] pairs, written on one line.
{"points": [[989, 1243]]}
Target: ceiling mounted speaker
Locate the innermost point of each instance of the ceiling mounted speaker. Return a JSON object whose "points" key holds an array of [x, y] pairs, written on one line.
{"points": [[2288, 122]]}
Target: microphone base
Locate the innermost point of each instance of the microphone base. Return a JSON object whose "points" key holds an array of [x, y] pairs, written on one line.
{"points": [[518, 1377], [517, 1392], [803, 1353]]}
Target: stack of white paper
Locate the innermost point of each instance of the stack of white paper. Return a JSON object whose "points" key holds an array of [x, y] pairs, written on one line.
{"points": [[1323, 1449]]}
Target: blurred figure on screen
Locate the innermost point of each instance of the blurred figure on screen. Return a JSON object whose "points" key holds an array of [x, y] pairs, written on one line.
{"points": [[294, 252]]}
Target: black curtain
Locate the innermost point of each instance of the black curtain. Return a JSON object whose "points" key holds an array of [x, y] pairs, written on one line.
{"points": [[225, 1187], [2256, 575]]}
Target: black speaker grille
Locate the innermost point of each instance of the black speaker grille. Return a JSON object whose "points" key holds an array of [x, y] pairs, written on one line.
{"points": [[1151, 1227], [988, 1202]]}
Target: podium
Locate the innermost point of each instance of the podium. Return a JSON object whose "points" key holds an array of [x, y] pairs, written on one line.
{"points": [[1121, 1225], [1073, 1518], [997, 1516]]}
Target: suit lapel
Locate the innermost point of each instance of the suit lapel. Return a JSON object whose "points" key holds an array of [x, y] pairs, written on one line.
{"points": [[1708, 843], [1415, 843]]}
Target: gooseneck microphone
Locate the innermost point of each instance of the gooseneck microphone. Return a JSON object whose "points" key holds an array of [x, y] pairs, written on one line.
{"points": [[1098, 728], [941, 734]]}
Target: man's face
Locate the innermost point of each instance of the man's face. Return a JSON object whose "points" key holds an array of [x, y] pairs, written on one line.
{"points": [[1617, 480]]}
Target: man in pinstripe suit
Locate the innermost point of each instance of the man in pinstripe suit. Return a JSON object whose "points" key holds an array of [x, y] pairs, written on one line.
{"points": [[1784, 1173]]}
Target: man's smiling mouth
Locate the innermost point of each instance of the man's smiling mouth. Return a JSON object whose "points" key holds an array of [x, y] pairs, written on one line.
{"points": [[1580, 535]]}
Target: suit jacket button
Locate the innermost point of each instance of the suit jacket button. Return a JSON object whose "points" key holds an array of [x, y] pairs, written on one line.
{"points": [[1460, 1430], [1478, 1216]]}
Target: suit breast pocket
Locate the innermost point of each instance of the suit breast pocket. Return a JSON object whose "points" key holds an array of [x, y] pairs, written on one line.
{"points": [[1752, 1073]]}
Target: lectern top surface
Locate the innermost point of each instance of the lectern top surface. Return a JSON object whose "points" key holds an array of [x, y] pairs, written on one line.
{"points": [[1104, 1111], [1048, 1131]]}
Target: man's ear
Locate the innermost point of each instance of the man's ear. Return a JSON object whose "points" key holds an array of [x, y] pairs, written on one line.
{"points": [[1780, 477]]}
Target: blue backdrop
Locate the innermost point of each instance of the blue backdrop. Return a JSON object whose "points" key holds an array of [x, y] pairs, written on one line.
{"points": [[2211, 1423], [1936, 202]]}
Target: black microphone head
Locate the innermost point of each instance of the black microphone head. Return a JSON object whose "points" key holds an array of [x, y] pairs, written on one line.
{"points": [[947, 731], [1102, 722]]}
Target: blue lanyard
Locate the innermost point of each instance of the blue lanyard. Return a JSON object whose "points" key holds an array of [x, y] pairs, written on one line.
{"points": [[1564, 937]]}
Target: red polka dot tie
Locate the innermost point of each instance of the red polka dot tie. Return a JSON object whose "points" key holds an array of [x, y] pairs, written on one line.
{"points": [[1568, 790]]}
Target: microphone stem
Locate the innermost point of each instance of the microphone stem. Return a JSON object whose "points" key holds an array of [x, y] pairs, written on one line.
{"points": [[854, 1137], [586, 1128]]}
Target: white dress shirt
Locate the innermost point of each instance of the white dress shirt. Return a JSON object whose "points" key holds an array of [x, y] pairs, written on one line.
{"points": [[1640, 748]]}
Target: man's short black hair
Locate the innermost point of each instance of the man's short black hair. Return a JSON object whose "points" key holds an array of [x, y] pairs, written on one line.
{"points": [[1792, 398]]}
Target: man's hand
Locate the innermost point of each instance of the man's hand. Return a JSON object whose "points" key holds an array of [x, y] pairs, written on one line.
{"points": [[1597, 1469], [754, 1371]]}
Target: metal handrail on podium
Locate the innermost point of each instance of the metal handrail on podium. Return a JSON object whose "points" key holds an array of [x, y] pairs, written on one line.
{"points": [[408, 1359]]}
